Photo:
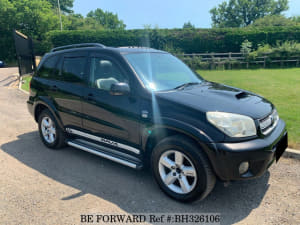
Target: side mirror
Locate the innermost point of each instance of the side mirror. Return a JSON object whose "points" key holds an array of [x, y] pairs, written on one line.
{"points": [[119, 89]]}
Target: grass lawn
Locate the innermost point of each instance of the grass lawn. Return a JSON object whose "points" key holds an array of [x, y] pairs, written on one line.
{"points": [[25, 83], [280, 86]]}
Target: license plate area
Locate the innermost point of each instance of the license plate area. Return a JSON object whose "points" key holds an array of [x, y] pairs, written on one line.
{"points": [[281, 146]]}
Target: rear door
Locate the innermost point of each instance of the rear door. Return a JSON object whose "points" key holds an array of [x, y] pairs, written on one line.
{"points": [[68, 90]]}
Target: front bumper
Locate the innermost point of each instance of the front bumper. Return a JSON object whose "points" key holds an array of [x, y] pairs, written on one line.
{"points": [[260, 153]]}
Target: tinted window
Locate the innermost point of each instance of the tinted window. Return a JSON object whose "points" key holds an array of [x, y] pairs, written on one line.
{"points": [[73, 69], [104, 72], [47, 68]]}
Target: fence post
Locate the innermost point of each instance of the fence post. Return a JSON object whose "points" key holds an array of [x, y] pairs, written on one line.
{"points": [[297, 63], [212, 61], [247, 63], [230, 67]]}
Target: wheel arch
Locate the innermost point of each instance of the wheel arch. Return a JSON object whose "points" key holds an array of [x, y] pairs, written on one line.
{"points": [[157, 133], [41, 105]]}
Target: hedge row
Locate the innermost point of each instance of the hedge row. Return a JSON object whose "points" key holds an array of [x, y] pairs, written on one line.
{"points": [[173, 40], [178, 40]]}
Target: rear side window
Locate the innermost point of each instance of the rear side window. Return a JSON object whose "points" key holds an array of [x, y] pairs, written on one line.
{"points": [[48, 67], [73, 69]]}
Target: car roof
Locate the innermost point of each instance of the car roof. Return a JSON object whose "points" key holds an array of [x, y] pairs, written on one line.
{"points": [[100, 47]]}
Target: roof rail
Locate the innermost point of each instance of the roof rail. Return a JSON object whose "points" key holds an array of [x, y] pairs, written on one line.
{"points": [[77, 46], [136, 47]]}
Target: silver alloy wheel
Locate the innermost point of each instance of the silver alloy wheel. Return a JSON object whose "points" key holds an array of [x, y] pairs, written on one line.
{"points": [[48, 130], [177, 172]]}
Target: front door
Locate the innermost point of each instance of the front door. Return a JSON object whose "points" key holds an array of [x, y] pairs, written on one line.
{"points": [[113, 117]]}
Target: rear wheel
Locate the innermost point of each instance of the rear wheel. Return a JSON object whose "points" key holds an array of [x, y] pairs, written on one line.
{"points": [[181, 169], [50, 133]]}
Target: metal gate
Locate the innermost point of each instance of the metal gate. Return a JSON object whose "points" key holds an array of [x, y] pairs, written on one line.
{"points": [[25, 53]]}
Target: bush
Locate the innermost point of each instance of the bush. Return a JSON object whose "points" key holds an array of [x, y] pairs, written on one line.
{"points": [[180, 40], [246, 48], [173, 40], [282, 50], [194, 62]]}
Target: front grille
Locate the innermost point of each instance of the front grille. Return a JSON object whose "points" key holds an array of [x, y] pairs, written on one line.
{"points": [[268, 123]]}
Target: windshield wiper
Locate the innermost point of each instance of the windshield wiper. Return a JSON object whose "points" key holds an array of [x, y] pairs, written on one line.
{"points": [[182, 86]]}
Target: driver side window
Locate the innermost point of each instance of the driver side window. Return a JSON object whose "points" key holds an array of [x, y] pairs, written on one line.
{"points": [[104, 72]]}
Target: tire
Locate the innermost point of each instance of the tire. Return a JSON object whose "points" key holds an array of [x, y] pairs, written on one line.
{"points": [[193, 180], [55, 138]]}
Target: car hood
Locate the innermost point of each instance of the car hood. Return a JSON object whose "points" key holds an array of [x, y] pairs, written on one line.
{"points": [[209, 96]]}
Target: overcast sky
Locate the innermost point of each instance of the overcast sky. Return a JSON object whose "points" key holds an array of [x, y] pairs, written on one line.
{"points": [[163, 13]]}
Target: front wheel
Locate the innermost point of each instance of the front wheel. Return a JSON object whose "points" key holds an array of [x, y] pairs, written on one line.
{"points": [[181, 169]]}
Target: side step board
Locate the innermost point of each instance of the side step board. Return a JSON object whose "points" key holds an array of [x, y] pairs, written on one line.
{"points": [[106, 153]]}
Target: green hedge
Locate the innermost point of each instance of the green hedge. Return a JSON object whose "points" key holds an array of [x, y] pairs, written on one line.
{"points": [[173, 40], [179, 40]]}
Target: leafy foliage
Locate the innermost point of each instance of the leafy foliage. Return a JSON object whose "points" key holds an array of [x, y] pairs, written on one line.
{"points": [[73, 22], [241, 13], [275, 20], [296, 19], [65, 5], [180, 40], [282, 50], [106, 19], [32, 17], [246, 47], [188, 25], [35, 18]]}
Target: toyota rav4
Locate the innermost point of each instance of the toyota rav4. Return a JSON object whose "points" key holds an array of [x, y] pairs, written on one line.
{"points": [[143, 107]]}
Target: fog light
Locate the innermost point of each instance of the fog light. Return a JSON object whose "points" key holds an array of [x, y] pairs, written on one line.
{"points": [[243, 168]]}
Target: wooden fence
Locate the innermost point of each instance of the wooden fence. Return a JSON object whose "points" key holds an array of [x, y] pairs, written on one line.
{"points": [[231, 59]]}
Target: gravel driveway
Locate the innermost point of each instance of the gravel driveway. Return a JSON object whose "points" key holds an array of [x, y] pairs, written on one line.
{"points": [[42, 186]]}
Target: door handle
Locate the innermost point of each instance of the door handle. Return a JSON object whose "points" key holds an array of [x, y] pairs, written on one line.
{"points": [[54, 88], [90, 97]]}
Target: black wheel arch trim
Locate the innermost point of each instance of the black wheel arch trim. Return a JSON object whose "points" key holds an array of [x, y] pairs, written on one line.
{"points": [[179, 127], [43, 100]]}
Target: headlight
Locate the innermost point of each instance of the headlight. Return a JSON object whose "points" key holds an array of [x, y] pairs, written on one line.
{"points": [[234, 125]]}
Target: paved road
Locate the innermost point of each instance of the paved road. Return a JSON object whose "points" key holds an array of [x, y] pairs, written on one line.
{"points": [[42, 186]]}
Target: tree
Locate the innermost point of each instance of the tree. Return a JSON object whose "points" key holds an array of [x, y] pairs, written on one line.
{"points": [[65, 5], [7, 15], [246, 48], [275, 20], [188, 25], [73, 21], [296, 19], [34, 17], [92, 24], [241, 13], [106, 19]]}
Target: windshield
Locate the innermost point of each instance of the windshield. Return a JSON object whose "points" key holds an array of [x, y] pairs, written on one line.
{"points": [[161, 71]]}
